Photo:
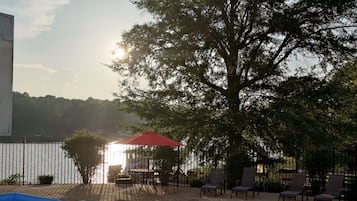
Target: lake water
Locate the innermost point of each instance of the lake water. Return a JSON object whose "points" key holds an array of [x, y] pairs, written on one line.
{"points": [[34, 159]]}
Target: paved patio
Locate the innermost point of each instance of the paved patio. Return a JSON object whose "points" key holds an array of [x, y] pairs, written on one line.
{"points": [[110, 192]]}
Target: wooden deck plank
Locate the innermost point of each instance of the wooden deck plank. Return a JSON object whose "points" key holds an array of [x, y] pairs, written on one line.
{"points": [[135, 192]]}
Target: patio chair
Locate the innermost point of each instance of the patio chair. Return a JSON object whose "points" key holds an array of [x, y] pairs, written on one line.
{"points": [[247, 182], [295, 188], [334, 189], [215, 181]]}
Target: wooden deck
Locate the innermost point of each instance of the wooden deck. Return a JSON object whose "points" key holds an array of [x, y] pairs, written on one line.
{"points": [[110, 192]]}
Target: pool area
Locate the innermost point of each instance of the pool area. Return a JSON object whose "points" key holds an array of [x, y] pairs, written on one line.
{"points": [[135, 192], [23, 197]]}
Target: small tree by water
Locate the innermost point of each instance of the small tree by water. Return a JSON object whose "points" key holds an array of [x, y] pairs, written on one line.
{"points": [[86, 149]]}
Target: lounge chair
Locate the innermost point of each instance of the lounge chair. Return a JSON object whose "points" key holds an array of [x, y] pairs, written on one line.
{"points": [[247, 182], [334, 189], [215, 181], [295, 188]]}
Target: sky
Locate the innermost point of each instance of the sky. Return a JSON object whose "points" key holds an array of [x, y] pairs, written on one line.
{"points": [[61, 46]]}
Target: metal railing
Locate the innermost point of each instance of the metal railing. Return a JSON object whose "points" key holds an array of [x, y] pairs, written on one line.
{"points": [[23, 161]]}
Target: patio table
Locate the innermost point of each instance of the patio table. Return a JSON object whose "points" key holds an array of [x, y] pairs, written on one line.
{"points": [[143, 174]]}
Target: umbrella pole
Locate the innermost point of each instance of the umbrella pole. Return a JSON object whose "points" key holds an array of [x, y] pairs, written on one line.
{"points": [[178, 166], [148, 173]]}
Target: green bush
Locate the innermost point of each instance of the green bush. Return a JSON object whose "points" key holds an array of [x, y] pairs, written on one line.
{"points": [[45, 179], [272, 186], [196, 183], [237, 160], [13, 179], [351, 193], [165, 157], [87, 150], [318, 162]]}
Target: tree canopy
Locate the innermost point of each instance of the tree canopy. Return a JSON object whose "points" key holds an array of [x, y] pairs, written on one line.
{"points": [[307, 110], [210, 65], [304, 112], [54, 117]]}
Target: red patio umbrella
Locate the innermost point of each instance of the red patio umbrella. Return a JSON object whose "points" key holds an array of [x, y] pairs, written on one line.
{"points": [[150, 138]]}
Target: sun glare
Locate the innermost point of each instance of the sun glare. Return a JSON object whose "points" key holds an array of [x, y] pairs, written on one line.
{"points": [[116, 154], [120, 53]]}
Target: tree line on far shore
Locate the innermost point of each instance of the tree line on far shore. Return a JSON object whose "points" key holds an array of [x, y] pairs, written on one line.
{"points": [[57, 117]]}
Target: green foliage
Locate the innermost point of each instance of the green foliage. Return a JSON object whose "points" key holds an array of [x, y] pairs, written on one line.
{"points": [[305, 113], [86, 150], [236, 161], [45, 179], [318, 163], [271, 185], [352, 189], [345, 79], [210, 65], [196, 183], [312, 117], [348, 156], [13, 179], [167, 158], [50, 116]]}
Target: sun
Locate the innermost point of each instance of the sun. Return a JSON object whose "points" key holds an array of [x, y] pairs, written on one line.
{"points": [[120, 53]]}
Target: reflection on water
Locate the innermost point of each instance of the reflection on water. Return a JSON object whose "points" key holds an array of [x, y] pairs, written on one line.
{"points": [[34, 159], [114, 155]]}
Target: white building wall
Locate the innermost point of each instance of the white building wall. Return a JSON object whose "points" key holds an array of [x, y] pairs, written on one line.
{"points": [[6, 70]]}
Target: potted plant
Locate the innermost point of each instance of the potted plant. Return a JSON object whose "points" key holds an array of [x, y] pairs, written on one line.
{"points": [[45, 179]]}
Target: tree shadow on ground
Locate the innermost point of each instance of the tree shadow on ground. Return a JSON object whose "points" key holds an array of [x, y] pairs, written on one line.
{"points": [[82, 192]]}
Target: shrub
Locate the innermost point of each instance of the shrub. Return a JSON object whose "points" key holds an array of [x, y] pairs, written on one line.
{"points": [[351, 194], [270, 185], [13, 179], [86, 150], [318, 162], [237, 160], [166, 157], [45, 179], [196, 183]]}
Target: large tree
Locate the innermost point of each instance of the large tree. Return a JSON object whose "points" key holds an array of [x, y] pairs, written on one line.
{"points": [[345, 80], [305, 113], [313, 120], [209, 64]]}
